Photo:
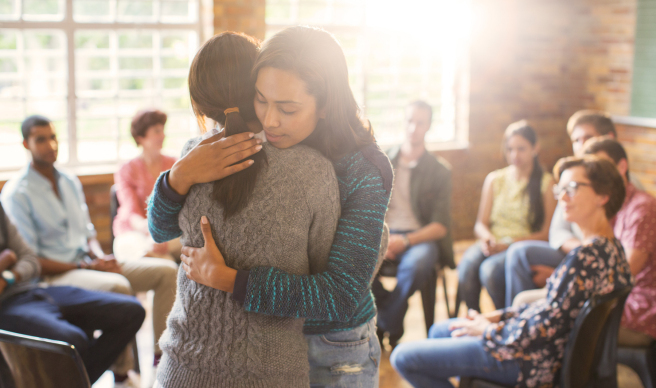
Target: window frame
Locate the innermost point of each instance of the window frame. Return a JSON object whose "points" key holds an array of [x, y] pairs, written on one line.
{"points": [[461, 88], [69, 26]]}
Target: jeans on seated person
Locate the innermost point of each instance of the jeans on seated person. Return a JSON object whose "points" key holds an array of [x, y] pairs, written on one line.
{"points": [[72, 315], [476, 270], [519, 259], [431, 362], [415, 268]]}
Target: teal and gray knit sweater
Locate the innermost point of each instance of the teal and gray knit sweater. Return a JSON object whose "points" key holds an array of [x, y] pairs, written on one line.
{"points": [[337, 299]]}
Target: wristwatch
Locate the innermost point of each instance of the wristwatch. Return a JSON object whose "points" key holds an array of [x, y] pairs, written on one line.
{"points": [[9, 277]]}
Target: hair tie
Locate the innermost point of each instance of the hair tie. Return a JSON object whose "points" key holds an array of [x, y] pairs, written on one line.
{"points": [[230, 110]]}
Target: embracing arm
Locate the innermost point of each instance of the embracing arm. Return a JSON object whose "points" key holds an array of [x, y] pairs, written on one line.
{"points": [[332, 295], [212, 159]]}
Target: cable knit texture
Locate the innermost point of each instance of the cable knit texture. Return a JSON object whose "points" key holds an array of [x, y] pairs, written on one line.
{"points": [[210, 340], [339, 298]]}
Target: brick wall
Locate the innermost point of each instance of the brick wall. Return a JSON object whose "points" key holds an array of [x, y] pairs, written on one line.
{"points": [[640, 143], [245, 16]]}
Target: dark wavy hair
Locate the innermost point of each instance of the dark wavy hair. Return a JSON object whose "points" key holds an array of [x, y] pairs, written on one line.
{"points": [[316, 57], [604, 178], [220, 78], [534, 186]]}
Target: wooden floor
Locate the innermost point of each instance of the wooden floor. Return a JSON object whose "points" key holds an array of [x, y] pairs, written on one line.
{"points": [[415, 329]]}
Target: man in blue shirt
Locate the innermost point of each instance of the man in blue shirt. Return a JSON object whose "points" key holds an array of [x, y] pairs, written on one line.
{"points": [[49, 209], [68, 314]]}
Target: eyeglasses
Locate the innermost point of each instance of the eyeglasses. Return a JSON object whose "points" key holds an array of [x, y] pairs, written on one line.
{"points": [[570, 188]]}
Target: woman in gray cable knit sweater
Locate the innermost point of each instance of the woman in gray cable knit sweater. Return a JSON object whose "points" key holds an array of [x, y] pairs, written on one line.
{"points": [[285, 205]]}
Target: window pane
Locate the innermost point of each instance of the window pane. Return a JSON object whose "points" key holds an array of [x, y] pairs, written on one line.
{"points": [[93, 11], [178, 11], [279, 12], [43, 9], [9, 10], [96, 150], [136, 10], [313, 12]]}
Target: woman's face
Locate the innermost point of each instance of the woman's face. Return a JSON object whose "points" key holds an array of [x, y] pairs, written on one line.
{"points": [[153, 140], [288, 113], [577, 197], [519, 152]]}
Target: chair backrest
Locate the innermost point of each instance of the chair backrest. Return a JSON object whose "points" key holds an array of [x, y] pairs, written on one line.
{"points": [[591, 355], [113, 211], [38, 362]]}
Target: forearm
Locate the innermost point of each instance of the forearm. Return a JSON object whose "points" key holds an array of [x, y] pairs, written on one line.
{"points": [[163, 212], [482, 231], [431, 232], [493, 316], [333, 295], [53, 267]]}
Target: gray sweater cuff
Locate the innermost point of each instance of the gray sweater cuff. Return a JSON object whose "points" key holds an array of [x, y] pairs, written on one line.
{"points": [[241, 285], [168, 191]]}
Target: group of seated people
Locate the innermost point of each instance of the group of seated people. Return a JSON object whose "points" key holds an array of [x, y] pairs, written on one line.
{"points": [[540, 262], [48, 235], [300, 234]]}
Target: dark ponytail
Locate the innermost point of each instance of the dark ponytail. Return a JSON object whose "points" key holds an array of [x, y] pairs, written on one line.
{"points": [[220, 81], [534, 186]]}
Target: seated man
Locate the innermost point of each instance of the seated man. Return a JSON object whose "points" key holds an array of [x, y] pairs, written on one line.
{"points": [[419, 220], [49, 209], [530, 263], [66, 314]]}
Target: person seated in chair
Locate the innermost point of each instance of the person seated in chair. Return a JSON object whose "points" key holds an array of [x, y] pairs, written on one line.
{"points": [[134, 182], [530, 263], [525, 346], [516, 204], [49, 209], [419, 220], [67, 314], [634, 226]]}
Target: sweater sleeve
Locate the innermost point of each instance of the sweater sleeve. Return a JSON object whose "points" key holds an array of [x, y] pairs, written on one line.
{"points": [[332, 295]]}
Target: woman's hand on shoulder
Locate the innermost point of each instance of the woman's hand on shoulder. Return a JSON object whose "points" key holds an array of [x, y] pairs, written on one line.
{"points": [[212, 159]]}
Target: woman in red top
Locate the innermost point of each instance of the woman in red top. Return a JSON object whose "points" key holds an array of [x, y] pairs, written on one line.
{"points": [[134, 182]]}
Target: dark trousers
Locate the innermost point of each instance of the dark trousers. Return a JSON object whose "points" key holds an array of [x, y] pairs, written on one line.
{"points": [[415, 268], [72, 315]]}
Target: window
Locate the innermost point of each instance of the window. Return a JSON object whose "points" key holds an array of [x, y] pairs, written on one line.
{"points": [[395, 54], [90, 65]]}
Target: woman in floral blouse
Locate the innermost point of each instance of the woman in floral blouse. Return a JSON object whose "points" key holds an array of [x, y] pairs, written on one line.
{"points": [[525, 346]]}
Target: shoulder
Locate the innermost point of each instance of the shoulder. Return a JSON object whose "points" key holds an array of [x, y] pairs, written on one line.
{"points": [[644, 202], [18, 184], [369, 162], [496, 177], [599, 248], [191, 143], [298, 156], [128, 166]]}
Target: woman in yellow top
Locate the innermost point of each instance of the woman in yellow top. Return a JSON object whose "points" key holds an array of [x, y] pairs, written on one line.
{"points": [[515, 205]]}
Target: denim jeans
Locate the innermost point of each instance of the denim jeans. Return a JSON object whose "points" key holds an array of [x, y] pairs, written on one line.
{"points": [[415, 268], [430, 363], [476, 270], [345, 359], [72, 315], [519, 259]]}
